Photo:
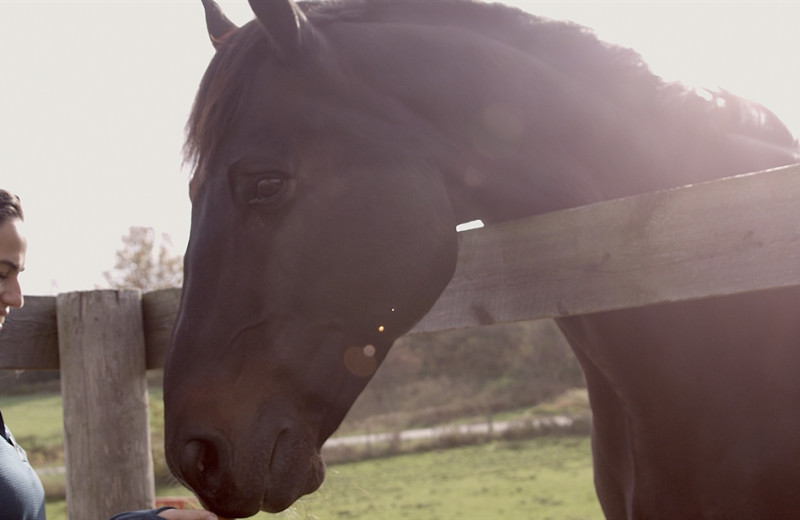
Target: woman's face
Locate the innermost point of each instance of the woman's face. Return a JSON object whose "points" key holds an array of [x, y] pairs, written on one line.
{"points": [[13, 247]]}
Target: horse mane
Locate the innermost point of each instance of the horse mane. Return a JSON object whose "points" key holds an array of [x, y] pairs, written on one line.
{"points": [[620, 73], [582, 51], [721, 109]]}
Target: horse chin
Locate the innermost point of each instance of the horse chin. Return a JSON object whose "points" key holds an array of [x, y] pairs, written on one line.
{"points": [[290, 479]]}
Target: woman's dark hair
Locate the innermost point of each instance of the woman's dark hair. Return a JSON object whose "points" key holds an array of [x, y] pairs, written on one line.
{"points": [[10, 206]]}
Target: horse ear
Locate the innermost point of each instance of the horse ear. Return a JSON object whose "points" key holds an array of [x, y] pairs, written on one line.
{"points": [[217, 23], [284, 22]]}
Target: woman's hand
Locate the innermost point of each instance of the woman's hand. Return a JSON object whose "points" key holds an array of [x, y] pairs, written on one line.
{"points": [[186, 514]]}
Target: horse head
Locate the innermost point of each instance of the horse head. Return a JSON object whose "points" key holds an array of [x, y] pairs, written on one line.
{"points": [[320, 234]]}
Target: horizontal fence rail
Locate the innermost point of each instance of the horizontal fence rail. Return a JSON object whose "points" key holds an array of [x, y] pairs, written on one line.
{"points": [[717, 238], [29, 340]]}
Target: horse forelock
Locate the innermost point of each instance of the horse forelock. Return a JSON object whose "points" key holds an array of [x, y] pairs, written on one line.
{"points": [[219, 96]]}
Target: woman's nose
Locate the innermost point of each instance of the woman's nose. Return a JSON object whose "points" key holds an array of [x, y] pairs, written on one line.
{"points": [[11, 294]]}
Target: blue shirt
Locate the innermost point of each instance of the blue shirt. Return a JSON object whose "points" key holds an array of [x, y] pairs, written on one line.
{"points": [[21, 491]]}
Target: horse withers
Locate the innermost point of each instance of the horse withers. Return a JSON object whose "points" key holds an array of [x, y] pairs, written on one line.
{"points": [[336, 148]]}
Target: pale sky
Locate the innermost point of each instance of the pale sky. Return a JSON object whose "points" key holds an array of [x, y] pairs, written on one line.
{"points": [[94, 96]]}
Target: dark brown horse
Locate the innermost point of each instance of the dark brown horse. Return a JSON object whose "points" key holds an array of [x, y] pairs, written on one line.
{"points": [[338, 145]]}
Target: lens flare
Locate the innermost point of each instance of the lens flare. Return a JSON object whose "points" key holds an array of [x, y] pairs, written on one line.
{"points": [[360, 361]]}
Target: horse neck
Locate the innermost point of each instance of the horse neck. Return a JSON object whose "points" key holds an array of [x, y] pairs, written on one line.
{"points": [[619, 149], [613, 150], [526, 132]]}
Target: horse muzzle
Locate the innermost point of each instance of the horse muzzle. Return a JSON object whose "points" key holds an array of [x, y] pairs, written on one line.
{"points": [[238, 482]]}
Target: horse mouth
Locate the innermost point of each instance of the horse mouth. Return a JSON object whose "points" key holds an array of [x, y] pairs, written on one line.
{"points": [[292, 473], [293, 468]]}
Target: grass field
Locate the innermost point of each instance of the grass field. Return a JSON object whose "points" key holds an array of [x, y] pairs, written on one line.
{"points": [[35, 419], [541, 478]]}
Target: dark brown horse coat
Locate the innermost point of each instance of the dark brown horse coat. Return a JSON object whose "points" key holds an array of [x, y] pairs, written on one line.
{"points": [[337, 145]]}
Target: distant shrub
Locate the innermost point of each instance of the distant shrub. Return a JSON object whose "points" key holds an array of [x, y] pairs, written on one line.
{"points": [[434, 378]]}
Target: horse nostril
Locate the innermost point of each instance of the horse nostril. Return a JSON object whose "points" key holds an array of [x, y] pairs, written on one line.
{"points": [[201, 464], [203, 455]]}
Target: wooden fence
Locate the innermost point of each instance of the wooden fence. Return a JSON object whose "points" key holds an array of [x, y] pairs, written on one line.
{"points": [[717, 238]]}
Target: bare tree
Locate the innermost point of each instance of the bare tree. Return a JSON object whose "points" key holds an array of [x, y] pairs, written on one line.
{"points": [[144, 264]]}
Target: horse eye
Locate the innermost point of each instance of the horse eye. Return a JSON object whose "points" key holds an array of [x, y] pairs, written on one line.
{"points": [[267, 189]]}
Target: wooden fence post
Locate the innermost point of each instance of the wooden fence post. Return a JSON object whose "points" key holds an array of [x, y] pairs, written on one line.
{"points": [[104, 388]]}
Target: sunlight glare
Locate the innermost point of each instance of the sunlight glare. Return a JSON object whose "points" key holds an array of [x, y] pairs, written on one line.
{"points": [[466, 226]]}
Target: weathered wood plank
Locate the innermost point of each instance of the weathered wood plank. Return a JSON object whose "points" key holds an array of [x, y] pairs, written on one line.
{"points": [[104, 389], [29, 339], [159, 310], [717, 238]]}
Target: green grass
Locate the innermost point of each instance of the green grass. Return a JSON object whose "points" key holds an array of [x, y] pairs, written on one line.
{"points": [[37, 416], [38, 425], [56, 510], [543, 478]]}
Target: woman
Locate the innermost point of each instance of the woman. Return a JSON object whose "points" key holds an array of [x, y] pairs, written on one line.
{"points": [[21, 491]]}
